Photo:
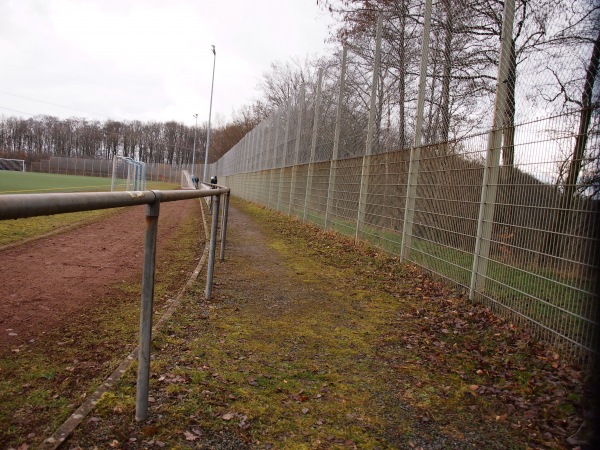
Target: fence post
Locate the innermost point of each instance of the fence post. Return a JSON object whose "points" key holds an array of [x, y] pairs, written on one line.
{"points": [[112, 183], [297, 148], [284, 150], [224, 225], [366, 165], [261, 162], [489, 187], [213, 246], [143, 377], [313, 145], [415, 151], [336, 141], [274, 156], [253, 162]]}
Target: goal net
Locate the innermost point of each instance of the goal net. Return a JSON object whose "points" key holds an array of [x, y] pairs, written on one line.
{"points": [[186, 180], [17, 165], [128, 175]]}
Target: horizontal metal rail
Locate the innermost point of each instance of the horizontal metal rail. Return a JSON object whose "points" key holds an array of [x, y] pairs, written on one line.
{"points": [[18, 206]]}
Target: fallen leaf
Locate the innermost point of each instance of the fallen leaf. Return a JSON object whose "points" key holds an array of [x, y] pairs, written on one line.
{"points": [[227, 416], [190, 436]]}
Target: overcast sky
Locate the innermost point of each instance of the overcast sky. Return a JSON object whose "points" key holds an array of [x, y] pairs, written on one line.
{"points": [[147, 59]]}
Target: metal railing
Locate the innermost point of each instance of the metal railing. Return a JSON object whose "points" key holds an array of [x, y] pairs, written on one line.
{"points": [[18, 206]]}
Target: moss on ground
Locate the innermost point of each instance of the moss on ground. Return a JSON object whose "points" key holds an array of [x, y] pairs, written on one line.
{"points": [[313, 342]]}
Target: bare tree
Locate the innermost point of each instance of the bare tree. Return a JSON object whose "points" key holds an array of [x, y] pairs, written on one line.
{"points": [[283, 81]]}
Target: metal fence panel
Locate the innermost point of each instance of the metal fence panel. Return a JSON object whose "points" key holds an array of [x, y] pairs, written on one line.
{"points": [[503, 198]]}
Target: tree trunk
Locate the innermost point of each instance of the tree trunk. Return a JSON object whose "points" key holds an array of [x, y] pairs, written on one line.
{"points": [[447, 72], [402, 83], [585, 118], [555, 244]]}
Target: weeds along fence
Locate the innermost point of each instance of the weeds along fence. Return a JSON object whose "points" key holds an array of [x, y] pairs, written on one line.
{"points": [[104, 168], [483, 174]]}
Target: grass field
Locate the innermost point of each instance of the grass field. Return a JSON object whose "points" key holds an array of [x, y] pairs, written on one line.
{"points": [[32, 182], [13, 231]]}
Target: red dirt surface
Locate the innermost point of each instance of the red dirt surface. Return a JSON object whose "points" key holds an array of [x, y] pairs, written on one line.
{"points": [[49, 281]]}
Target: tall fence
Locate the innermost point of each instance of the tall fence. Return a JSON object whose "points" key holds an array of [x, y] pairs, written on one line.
{"points": [[104, 168], [483, 175]]}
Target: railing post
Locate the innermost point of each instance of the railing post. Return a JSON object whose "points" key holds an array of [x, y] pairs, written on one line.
{"points": [[143, 377], [366, 166], [415, 151], [224, 225], [213, 246], [313, 145], [336, 141], [489, 186]]}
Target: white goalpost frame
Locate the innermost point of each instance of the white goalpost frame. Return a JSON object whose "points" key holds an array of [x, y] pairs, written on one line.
{"points": [[15, 162], [136, 174], [186, 180]]}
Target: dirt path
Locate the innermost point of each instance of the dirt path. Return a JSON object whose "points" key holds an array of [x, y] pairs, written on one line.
{"points": [[48, 282], [310, 342]]}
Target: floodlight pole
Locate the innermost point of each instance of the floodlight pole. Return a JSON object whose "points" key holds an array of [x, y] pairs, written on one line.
{"points": [[205, 179], [194, 154]]}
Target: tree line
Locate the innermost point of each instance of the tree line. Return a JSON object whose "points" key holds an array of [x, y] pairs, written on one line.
{"points": [[171, 142]]}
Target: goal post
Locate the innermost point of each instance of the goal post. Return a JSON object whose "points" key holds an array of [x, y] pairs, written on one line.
{"points": [[128, 174], [17, 165], [186, 180]]}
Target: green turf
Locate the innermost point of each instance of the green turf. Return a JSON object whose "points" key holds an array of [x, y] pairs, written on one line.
{"points": [[12, 231], [33, 182], [30, 182]]}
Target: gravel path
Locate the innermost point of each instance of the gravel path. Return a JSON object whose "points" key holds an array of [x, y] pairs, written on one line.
{"points": [[51, 281]]}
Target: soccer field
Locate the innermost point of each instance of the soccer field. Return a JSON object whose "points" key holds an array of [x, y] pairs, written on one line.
{"points": [[33, 182], [30, 182]]}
